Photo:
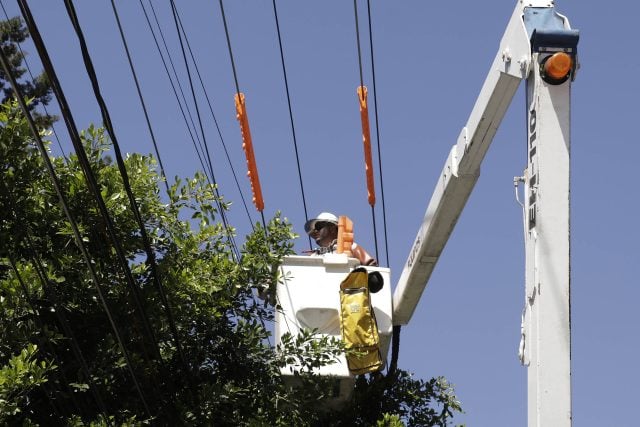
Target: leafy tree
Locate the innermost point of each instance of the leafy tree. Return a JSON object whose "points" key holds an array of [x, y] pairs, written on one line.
{"points": [[62, 361], [12, 33]]}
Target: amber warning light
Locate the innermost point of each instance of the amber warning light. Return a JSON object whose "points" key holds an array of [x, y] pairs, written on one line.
{"points": [[556, 68]]}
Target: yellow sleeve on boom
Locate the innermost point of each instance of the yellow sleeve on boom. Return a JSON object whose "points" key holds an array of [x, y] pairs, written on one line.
{"points": [[247, 145], [366, 139]]}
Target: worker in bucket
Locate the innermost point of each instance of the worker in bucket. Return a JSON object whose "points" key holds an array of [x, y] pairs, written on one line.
{"points": [[324, 230]]}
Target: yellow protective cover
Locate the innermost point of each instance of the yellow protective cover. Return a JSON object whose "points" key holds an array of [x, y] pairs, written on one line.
{"points": [[358, 324]]}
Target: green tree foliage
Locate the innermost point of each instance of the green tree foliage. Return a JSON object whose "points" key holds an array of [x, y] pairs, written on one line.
{"points": [[230, 374], [22, 374], [12, 34]]}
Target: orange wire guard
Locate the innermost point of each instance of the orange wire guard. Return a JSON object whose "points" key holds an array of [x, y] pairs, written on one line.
{"points": [[366, 139], [247, 146]]}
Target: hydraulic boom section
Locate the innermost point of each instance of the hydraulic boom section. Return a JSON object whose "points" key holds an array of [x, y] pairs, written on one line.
{"points": [[540, 47]]}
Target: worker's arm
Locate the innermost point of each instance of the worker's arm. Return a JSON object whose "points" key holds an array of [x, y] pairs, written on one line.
{"points": [[362, 255]]}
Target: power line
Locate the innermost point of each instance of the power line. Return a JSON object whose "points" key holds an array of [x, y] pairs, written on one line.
{"points": [[355, 10], [44, 107], [221, 210], [125, 177], [367, 149], [38, 41], [204, 146], [233, 63], [64, 322], [46, 344], [144, 106], [215, 121], [240, 99], [375, 107], [173, 86], [293, 129], [395, 349], [93, 183]]}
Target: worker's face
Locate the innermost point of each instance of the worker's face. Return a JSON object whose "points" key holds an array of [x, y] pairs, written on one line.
{"points": [[324, 233]]}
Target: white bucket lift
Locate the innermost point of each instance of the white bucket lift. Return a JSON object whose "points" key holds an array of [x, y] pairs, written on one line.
{"points": [[309, 295]]}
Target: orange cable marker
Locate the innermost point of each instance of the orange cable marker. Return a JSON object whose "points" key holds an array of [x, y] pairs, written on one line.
{"points": [[247, 146], [366, 139]]}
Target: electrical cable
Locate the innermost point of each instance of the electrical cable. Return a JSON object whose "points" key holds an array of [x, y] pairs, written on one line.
{"points": [[173, 67], [375, 107], [142, 103], [238, 94], [395, 350], [367, 152], [88, 173], [235, 74], [179, 23], [195, 139], [202, 137], [63, 201], [46, 344], [240, 103], [226, 31], [396, 329], [375, 232], [293, 129], [64, 322], [173, 86], [222, 212], [355, 10], [215, 120], [44, 107], [151, 261]]}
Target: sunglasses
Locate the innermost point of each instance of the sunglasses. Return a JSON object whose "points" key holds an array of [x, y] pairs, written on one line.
{"points": [[319, 225]]}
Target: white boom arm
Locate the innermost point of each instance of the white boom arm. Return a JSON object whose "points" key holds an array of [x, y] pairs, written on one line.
{"points": [[534, 32], [462, 167]]}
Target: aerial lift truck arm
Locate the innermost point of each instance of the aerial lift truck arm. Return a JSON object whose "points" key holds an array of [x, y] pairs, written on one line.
{"points": [[535, 37], [462, 168]]}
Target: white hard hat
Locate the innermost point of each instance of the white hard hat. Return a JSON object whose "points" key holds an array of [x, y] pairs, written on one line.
{"points": [[322, 217]]}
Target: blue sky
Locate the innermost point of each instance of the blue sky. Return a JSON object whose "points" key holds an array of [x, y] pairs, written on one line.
{"points": [[431, 60]]}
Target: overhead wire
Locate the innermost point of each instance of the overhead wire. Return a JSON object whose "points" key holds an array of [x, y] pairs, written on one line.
{"points": [[140, 97], [221, 208], [151, 261], [397, 328], [375, 107], [293, 128], [240, 107], [362, 97], [226, 31], [63, 200], [241, 115], [189, 123], [355, 12], [177, 15], [44, 107], [173, 86], [202, 136], [90, 177], [215, 120], [64, 322], [395, 337], [46, 344]]}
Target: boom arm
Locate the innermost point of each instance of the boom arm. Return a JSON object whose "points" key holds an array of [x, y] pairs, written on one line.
{"points": [[538, 46], [462, 167]]}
